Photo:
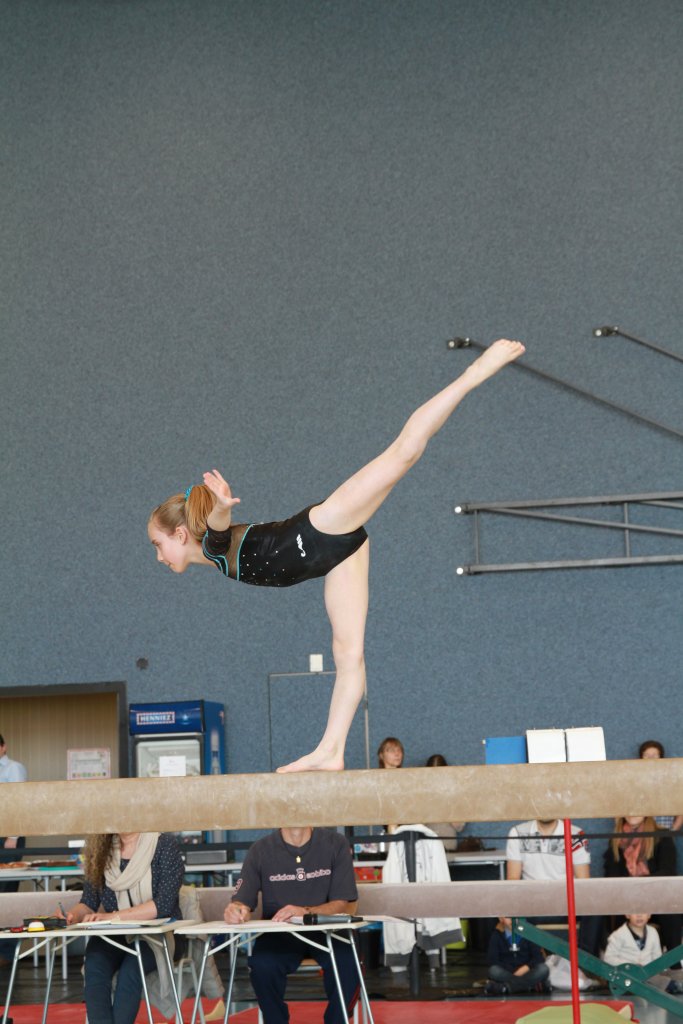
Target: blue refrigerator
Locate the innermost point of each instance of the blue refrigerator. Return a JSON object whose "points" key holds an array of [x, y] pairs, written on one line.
{"points": [[189, 734]]}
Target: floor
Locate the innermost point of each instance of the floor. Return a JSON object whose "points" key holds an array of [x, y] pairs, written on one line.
{"points": [[460, 979]]}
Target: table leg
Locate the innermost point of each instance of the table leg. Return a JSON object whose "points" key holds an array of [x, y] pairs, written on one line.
{"points": [[50, 951], [169, 964], [233, 966], [198, 994], [144, 979], [12, 976], [361, 980], [65, 963], [336, 972]]}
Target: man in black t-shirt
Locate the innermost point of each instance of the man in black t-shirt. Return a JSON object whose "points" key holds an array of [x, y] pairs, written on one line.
{"points": [[297, 871]]}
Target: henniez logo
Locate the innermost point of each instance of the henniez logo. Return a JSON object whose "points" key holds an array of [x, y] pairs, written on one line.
{"points": [[155, 717]]}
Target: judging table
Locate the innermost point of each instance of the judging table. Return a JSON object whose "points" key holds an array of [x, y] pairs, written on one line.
{"points": [[43, 876], [155, 933], [243, 934]]}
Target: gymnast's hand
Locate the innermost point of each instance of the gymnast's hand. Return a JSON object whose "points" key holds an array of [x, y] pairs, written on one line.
{"points": [[219, 517]]}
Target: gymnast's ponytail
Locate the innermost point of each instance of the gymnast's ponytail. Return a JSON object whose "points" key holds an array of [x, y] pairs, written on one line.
{"points": [[190, 509]]}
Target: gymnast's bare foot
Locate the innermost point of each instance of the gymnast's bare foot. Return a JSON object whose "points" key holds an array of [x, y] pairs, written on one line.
{"points": [[493, 359], [322, 759]]}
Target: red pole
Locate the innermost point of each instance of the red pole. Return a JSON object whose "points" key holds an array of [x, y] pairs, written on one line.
{"points": [[571, 916]]}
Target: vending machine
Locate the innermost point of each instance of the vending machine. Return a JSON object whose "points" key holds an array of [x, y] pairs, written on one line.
{"points": [[180, 738]]}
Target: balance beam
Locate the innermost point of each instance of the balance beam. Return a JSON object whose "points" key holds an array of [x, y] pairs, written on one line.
{"points": [[596, 789], [616, 896]]}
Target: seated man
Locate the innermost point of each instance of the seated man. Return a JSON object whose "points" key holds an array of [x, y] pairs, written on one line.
{"points": [[297, 871], [535, 852]]}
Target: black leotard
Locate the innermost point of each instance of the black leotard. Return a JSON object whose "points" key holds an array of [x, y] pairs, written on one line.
{"points": [[279, 554]]}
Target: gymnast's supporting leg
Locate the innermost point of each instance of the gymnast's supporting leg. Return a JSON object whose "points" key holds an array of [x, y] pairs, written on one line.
{"points": [[346, 602], [346, 586], [352, 504]]}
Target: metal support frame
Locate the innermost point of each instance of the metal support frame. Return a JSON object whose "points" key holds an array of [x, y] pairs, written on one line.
{"points": [[457, 343], [612, 332], [626, 979], [539, 509]]}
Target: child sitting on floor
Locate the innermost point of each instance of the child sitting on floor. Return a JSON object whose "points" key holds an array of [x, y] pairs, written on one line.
{"points": [[635, 943], [515, 964]]}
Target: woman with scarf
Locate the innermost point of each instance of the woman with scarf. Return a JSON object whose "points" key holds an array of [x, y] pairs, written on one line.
{"points": [[134, 876], [633, 853]]}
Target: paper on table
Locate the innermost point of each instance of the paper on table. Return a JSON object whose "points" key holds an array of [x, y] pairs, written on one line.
{"points": [[128, 923]]}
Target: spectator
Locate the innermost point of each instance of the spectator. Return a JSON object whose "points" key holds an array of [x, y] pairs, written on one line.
{"points": [[652, 750], [635, 855], [635, 943], [515, 964], [10, 771], [390, 753], [448, 830], [535, 852], [297, 871]]}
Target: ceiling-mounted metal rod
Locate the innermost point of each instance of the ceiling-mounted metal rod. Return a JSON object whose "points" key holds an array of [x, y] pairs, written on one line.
{"points": [[652, 498], [580, 563], [606, 524], [455, 343], [611, 332]]}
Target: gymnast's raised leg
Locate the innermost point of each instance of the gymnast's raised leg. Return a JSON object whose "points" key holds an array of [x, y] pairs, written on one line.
{"points": [[351, 506]]}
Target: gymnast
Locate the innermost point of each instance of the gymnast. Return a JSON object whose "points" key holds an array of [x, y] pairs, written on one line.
{"points": [[327, 540]]}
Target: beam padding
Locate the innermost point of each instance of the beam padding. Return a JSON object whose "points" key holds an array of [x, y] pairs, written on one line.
{"points": [[597, 789], [601, 896]]}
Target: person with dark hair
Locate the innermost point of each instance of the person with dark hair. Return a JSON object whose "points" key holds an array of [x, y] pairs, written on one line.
{"points": [[132, 876], [447, 830], [653, 750], [326, 539], [297, 871], [390, 753], [515, 964], [10, 771], [631, 854]]}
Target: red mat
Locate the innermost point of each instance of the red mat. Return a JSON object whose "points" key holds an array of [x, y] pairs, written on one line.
{"points": [[480, 1011], [460, 1011]]}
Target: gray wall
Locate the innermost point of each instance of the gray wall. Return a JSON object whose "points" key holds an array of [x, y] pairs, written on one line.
{"points": [[238, 234]]}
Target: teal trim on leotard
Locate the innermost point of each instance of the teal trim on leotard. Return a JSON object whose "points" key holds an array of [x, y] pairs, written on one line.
{"points": [[218, 560], [237, 560]]}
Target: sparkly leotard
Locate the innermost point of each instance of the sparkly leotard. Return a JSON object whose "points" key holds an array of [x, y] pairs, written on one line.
{"points": [[279, 554]]}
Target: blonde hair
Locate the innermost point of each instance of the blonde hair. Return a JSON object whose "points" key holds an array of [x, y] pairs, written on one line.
{"points": [[191, 512], [97, 852], [649, 825]]}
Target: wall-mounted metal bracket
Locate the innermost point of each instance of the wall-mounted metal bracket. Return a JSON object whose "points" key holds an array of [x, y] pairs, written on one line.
{"points": [[456, 343], [541, 510]]}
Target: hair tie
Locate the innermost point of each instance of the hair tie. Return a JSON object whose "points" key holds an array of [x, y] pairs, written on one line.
{"points": [[187, 492]]}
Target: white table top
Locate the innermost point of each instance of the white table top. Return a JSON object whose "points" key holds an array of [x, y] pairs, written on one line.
{"points": [[255, 925], [75, 930]]}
